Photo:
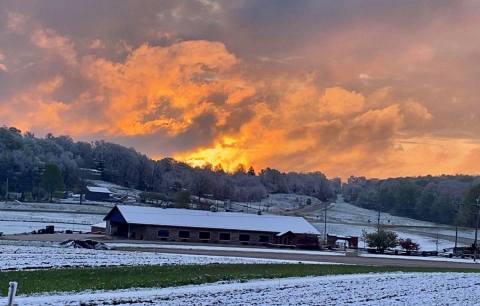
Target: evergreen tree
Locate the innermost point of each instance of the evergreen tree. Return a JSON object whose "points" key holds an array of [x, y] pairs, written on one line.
{"points": [[182, 199], [52, 179], [468, 211]]}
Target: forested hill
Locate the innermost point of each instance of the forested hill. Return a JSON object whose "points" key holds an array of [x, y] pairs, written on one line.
{"points": [[445, 199], [24, 158]]}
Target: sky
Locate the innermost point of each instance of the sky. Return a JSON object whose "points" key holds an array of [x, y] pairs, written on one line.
{"points": [[366, 88]]}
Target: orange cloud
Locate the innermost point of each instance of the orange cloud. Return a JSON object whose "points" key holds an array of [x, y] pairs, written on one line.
{"points": [[340, 102], [198, 89], [337, 131], [165, 88], [49, 40], [35, 108], [16, 22], [3, 67]]}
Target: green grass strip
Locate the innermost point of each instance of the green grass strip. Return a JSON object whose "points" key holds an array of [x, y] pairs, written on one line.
{"points": [[110, 278]]}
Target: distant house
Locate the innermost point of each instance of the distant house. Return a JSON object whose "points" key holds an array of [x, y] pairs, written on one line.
{"points": [[170, 224], [97, 193]]}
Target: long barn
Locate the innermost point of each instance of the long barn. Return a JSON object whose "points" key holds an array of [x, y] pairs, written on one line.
{"points": [[184, 225]]}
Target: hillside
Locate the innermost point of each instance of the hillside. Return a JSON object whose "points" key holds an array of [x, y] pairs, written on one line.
{"points": [[25, 157], [447, 199]]}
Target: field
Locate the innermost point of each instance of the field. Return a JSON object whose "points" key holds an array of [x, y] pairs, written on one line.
{"points": [[230, 285], [109, 278], [18, 218], [342, 218], [143, 275], [349, 220], [37, 257]]}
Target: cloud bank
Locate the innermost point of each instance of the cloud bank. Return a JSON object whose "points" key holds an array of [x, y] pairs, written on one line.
{"points": [[306, 86]]}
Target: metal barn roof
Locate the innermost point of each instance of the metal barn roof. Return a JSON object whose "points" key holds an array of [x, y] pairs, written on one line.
{"points": [[98, 189], [214, 220]]}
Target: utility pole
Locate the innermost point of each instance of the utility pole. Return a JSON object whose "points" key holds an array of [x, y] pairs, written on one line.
{"points": [[325, 223], [475, 244], [6, 191], [456, 229], [378, 222]]}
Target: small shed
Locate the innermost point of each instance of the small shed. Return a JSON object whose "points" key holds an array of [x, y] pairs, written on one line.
{"points": [[351, 242], [97, 193]]}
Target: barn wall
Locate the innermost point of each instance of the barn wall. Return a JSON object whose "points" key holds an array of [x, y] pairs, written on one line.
{"points": [[150, 232], [97, 196]]}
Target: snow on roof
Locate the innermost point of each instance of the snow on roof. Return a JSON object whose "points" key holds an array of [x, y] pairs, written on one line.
{"points": [[98, 189], [217, 220], [100, 225], [91, 170]]}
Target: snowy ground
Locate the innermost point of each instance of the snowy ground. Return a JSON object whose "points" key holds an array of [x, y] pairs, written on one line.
{"points": [[96, 207], [349, 220], [16, 222], [19, 227], [116, 189], [278, 251], [220, 248], [275, 203], [427, 243], [343, 218], [362, 289], [34, 257]]}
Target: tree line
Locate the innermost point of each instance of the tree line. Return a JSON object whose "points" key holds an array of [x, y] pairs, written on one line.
{"points": [[447, 199], [30, 163]]}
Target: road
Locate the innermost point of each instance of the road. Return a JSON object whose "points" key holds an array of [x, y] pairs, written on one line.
{"points": [[359, 260]]}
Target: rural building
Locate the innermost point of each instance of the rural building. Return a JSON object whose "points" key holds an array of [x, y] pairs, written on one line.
{"points": [[98, 228], [170, 224], [97, 193], [347, 241]]}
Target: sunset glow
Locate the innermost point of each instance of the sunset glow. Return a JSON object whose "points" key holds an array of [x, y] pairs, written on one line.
{"points": [[354, 89]]}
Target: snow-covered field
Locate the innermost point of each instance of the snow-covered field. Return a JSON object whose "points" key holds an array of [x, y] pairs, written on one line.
{"points": [[116, 189], [362, 289], [99, 208], [19, 227], [342, 212], [220, 248], [427, 243], [35, 257], [278, 251], [345, 212], [275, 203], [16, 222], [349, 220], [343, 218]]}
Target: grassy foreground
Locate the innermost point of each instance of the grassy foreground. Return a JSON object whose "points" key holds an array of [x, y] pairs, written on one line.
{"points": [[79, 279]]}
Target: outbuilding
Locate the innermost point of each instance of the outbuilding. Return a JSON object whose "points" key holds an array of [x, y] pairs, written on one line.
{"points": [[98, 228], [184, 225], [97, 193]]}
